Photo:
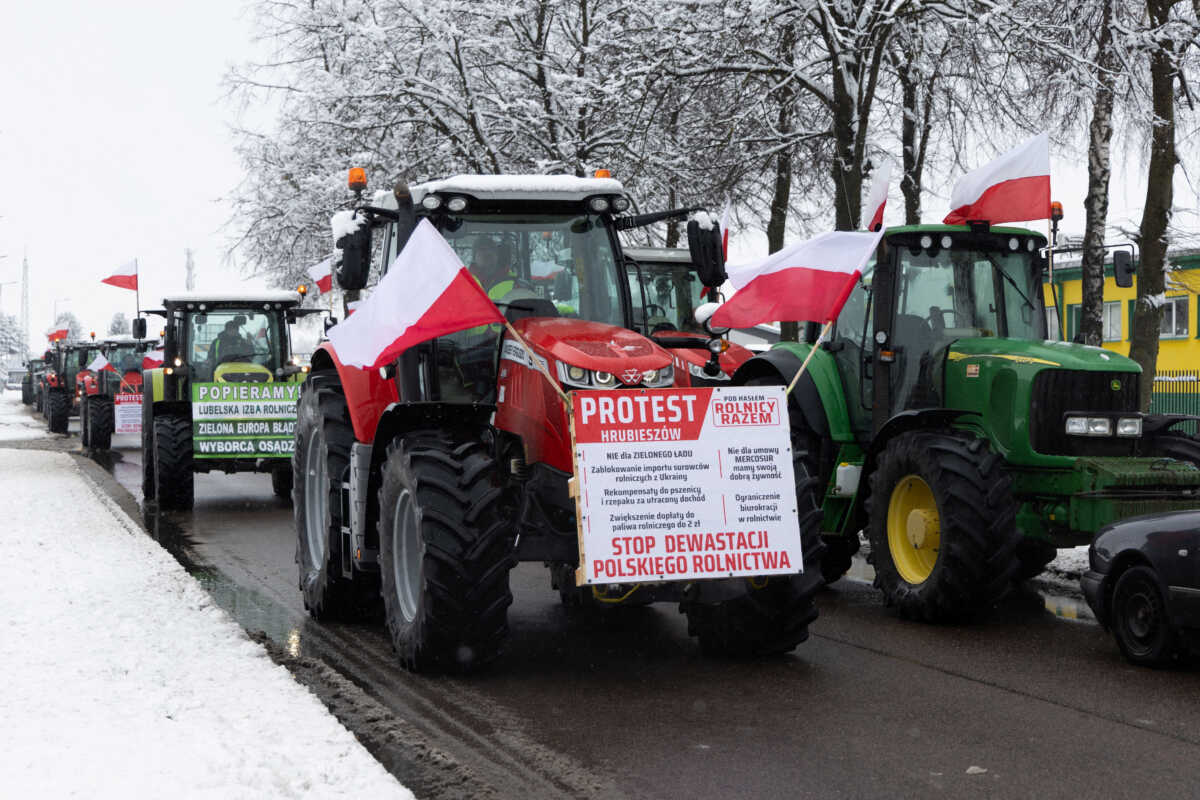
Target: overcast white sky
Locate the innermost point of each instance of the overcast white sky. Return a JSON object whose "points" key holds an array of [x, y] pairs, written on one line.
{"points": [[114, 144]]}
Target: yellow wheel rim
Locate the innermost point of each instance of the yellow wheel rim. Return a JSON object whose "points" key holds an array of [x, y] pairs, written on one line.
{"points": [[913, 529]]}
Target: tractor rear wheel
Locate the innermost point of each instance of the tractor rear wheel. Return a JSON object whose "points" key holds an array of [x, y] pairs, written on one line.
{"points": [[173, 478], [942, 526], [58, 410], [322, 459], [84, 433], [1032, 557], [767, 615], [98, 422], [445, 551]]}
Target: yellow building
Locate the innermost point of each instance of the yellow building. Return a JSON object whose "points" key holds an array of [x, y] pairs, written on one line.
{"points": [[1177, 383]]}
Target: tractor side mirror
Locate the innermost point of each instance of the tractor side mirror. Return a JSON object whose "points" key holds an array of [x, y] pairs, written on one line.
{"points": [[707, 253], [330, 321], [1123, 268], [703, 316], [139, 328], [355, 268]]}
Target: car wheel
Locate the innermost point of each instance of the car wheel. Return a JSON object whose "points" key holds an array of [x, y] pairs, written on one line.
{"points": [[1140, 619]]}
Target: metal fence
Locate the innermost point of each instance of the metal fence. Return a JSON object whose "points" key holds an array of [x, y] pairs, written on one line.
{"points": [[1177, 391]]}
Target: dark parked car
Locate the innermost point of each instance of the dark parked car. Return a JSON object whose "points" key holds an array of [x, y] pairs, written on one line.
{"points": [[1144, 584]]}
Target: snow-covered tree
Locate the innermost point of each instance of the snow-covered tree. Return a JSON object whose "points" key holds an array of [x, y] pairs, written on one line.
{"points": [[119, 325]]}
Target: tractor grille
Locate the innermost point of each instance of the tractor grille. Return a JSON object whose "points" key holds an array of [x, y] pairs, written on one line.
{"points": [[1058, 391]]}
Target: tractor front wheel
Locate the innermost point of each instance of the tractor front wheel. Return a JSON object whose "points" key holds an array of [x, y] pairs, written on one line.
{"points": [[58, 410], [322, 458], [84, 433], [173, 479], [766, 615], [942, 526], [445, 551]]}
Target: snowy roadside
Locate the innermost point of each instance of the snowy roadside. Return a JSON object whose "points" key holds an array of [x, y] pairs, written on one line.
{"points": [[122, 678], [16, 423]]}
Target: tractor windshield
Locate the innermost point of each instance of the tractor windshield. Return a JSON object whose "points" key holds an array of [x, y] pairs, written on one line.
{"points": [[665, 297], [564, 261], [233, 344], [125, 357]]}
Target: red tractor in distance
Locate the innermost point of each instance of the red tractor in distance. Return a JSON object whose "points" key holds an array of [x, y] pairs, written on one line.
{"points": [[425, 482], [666, 291], [100, 388]]}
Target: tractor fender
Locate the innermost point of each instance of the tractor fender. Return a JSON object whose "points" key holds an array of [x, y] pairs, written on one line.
{"points": [[400, 417], [818, 393], [368, 395], [905, 421]]}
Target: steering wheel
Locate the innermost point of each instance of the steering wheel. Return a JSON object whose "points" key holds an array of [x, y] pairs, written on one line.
{"points": [[236, 356], [653, 310]]}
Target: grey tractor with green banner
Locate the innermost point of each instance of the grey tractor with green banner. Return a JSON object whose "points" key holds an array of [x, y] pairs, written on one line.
{"points": [[224, 398]]}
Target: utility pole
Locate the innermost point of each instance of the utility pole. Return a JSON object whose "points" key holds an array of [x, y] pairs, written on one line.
{"points": [[191, 271], [25, 302]]}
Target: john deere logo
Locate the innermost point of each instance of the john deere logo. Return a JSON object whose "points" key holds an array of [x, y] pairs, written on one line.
{"points": [[1116, 385]]}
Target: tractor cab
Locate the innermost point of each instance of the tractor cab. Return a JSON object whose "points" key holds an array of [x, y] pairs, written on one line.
{"points": [[666, 290]]}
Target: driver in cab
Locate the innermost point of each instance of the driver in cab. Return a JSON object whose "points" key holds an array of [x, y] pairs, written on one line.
{"points": [[230, 342], [489, 269]]}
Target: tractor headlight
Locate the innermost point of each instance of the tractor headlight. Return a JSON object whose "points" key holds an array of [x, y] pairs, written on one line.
{"points": [[1077, 426], [431, 202], [604, 378], [1129, 426], [598, 204], [620, 203], [699, 372], [658, 378], [1099, 426], [456, 204]]}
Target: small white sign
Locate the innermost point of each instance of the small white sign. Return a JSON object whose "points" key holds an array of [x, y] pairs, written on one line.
{"points": [[684, 483], [127, 413]]}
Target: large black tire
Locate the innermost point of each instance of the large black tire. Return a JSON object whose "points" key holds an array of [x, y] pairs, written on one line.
{"points": [[1032, 557], [58, 410], [839, 550], [26, 393], [969, 508], [37, 401], [84, 432], [173, 477], [1140, 619], [446, 546], [766, 616], [319, 465], [281, 481], [99, 416], [147, 458]]}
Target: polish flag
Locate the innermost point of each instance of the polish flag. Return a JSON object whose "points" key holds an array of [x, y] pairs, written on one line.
{"points": [[154, 359], [322, 274], [877, 198], [100, 363], [126, 277], [426, 293], [806, 281], [1013, 188], [57, 334]]}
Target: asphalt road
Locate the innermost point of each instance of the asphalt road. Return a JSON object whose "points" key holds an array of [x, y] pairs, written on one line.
{"points": [[1023, 704]]}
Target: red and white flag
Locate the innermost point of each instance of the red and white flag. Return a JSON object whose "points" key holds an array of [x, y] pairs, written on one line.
{"points": [[1013, 188], [57, 334], [125, 277], [806, 281], [426, 293], [322, 274], [154, 359], [101, 363], [877, 198]]}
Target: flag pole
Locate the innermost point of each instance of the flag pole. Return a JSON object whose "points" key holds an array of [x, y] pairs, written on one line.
{"points": [[137, 290], [811, 353], [537, 362]]}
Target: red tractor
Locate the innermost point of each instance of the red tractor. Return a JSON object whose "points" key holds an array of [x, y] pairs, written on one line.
{"points": [[425, 482], [100, 389]]}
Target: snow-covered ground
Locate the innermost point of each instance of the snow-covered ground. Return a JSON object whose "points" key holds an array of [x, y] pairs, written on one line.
{"points": [[16, 422], [121, 678]]}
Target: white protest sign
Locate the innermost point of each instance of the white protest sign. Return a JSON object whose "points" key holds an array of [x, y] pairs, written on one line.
{"points": [[127, 413], [681, 484]]}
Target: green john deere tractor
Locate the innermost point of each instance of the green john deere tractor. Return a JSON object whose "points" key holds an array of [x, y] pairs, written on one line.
{"points": [[941, 419]]}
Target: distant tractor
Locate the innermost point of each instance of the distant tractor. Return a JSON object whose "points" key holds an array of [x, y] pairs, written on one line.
{"points": [[422, 484], [225, 397], [940, 419], [666, 291], [101, 388], [59, 398]]}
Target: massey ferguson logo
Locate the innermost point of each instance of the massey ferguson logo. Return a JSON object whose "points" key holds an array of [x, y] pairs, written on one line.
{"points": [[631, 376]]}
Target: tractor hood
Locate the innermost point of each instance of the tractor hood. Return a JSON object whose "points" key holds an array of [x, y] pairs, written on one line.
{"points": [[1059, 355], [730, 360], [592, 345]]}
